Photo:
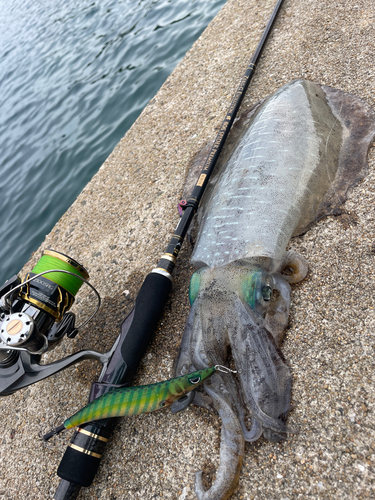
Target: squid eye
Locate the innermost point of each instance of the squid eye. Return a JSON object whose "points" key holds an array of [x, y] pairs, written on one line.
{"points": [[194, 380], [267, 293], [194, 287], [257, 289]]}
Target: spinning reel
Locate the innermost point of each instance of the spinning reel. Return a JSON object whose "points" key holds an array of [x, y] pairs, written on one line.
{"points": [[35, 317]]}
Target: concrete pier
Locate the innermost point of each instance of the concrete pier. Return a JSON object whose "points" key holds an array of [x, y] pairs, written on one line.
{"points": [[120, 225]]}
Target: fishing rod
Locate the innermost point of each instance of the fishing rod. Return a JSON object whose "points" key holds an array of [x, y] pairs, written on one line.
{"points": [[82, 457], [35, 317]]}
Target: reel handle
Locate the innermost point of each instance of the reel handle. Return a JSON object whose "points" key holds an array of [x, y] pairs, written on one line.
{"points": [[25, 370]]}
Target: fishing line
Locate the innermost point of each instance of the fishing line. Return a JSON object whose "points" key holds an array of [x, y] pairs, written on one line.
{"points": [[71, 282], [62, 270]]}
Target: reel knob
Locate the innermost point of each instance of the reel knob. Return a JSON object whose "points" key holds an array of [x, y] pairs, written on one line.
{"points": [[16, 329]]}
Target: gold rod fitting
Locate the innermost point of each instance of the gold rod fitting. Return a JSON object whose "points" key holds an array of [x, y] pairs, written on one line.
{"points": [[95, 436], [85, 452], [169, 256]]}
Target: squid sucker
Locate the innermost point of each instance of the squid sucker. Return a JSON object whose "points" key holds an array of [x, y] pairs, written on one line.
{"points": [[290, 161]]}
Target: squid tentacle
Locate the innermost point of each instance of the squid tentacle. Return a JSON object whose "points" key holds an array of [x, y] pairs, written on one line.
{"points": [[296, 264], [256, 430], [266, 420], [264, 376], [277, 315], [222, 322], [254, 433], [232, 449]]}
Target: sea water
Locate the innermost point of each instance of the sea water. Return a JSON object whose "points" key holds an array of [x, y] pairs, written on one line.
{"points": [[74, 76]]}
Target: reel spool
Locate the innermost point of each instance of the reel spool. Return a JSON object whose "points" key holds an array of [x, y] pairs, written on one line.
{"points": [[34, 313], [54, 292]]}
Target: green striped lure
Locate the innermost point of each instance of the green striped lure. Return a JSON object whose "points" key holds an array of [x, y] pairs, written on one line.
{"points": [[130, 401]]}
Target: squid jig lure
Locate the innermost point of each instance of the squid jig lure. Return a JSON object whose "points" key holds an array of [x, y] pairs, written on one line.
{"points": [[128, 401]]}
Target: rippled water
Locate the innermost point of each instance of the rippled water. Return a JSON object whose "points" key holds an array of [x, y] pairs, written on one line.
{"points": [[74, 75]]}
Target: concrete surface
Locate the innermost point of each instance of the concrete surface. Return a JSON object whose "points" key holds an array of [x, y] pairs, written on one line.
{"points": [[120, 225]]}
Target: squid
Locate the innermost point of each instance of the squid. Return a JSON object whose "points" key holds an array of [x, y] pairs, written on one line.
{"points": [[290, 161]]}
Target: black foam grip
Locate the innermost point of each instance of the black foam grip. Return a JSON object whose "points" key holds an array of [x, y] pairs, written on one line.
{"points": [[78, 468], [148, 308], [82, 457]]}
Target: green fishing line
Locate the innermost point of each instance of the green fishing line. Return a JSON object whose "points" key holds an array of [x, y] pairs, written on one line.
{"points": [[70, 283]]}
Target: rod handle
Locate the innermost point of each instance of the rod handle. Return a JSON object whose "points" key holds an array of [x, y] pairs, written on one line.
{"points": [[147, 311], [83, 455]]}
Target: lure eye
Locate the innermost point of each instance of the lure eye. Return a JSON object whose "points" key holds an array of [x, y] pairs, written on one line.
{"points": [[161, 404], [194, 380], [267, 293]]}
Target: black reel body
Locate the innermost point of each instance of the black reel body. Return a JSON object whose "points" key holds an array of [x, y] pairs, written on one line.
{"points": [[35, 317], [28, 325]]}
